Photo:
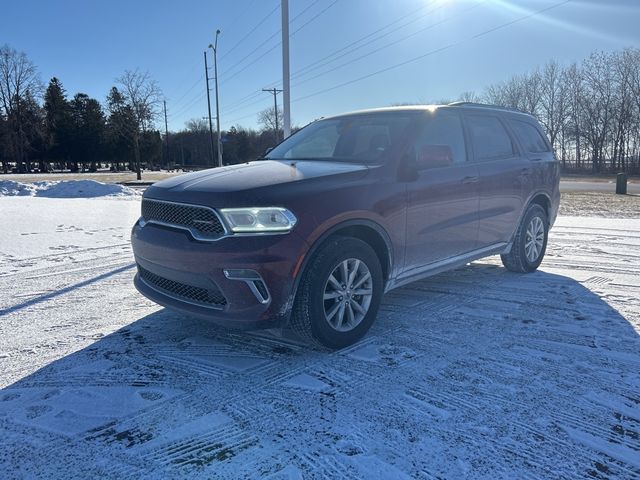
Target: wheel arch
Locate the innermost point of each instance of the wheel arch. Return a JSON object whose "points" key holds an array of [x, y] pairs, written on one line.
{"points": [[537, 198], [542, 199], [368, 231]]}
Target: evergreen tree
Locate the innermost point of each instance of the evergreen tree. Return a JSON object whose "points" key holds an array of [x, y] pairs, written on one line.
{"points": [[121, 128], [89, 131], [58, 122], [27, 118]]}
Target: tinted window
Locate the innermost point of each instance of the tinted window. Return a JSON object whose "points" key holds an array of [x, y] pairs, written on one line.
{"points": [[443, 134], [366, 138], [489, 137], [530, 137]]}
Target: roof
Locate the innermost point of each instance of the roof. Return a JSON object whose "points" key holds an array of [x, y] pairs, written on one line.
{"points": [[431, 108]]}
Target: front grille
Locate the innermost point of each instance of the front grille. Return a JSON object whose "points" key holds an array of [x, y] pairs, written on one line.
{"points": [[202, 222], [210, 297]]}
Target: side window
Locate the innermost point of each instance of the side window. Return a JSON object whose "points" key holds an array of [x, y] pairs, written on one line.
{"points": [[371, 139], [489, 137], [442, 142], [530, 137]]}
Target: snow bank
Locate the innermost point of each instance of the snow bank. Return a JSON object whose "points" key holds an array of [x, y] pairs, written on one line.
{"points": [[65, 189]]}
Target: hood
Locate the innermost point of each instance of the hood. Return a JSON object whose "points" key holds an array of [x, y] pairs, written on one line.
{"points": [[253, 180]]}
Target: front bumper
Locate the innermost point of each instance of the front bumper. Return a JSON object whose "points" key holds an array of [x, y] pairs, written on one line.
{"points": [[186, 265]]}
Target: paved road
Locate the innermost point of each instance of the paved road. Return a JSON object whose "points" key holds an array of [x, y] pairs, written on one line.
{"points": [[585, 186]]}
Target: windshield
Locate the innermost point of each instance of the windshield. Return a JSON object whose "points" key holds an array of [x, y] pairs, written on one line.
{"points": [[362, 138]]}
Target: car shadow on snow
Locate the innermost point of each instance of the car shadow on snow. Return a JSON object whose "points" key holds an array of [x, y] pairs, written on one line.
{"points": [[505, 373]]}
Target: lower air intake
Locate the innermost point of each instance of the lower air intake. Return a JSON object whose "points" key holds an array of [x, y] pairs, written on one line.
{"points": [[208, 297]]}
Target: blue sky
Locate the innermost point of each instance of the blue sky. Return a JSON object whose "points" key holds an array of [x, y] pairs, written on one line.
{"points": [[88, 44]]}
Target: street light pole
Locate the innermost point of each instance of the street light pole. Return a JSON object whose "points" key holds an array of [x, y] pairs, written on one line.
{"points": [[214, 47], [286, 94], [206, 76]]}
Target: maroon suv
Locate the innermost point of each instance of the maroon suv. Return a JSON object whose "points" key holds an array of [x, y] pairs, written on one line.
{"points": [[346, 209]]}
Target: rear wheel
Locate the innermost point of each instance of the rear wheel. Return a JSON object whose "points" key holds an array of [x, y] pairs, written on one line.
{"points": [[530, 242], [339, 293]]}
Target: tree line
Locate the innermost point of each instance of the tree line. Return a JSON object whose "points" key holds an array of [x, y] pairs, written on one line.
{"points": [[590, 110]]}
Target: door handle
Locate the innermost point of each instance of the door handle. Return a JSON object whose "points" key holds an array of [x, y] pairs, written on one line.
{"points": [[525, 172], [471, 179]]}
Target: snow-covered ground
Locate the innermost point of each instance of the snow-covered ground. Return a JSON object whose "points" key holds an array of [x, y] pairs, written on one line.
{"points": [[476, 373], [65, 189]]}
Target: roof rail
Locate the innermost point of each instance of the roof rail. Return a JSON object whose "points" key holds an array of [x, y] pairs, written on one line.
{"points": [[486, 105]]}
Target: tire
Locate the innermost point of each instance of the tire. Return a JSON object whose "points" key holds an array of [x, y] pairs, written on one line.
{"points": [[317, 310], [525, 256]]}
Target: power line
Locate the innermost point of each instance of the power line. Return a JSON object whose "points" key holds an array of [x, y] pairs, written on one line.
{"points": [[411, 14], [185, 108], [314, 17], [235, 20], [236, 104], [347, 47], [239, 62], [197, 65], [369, 35], [319, 64], [254, 94], [264, 42], [189, 76], [387, 45], [177, 102], [264, 19], [255, 102], [253, 114], [260, 23], [433, 52]]}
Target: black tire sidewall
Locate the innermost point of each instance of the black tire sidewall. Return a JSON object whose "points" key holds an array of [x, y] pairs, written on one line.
{"points": [[331, 255], [533, 211]]}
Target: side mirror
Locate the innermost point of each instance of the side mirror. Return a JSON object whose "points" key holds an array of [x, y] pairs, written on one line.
{"points": [[264, 155], [434, 156]]}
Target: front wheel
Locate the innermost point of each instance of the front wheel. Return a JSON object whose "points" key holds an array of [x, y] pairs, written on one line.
{"points": [[339, 293], [530, 242]]}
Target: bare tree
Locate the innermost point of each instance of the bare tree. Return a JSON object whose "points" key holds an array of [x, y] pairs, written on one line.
{"points": [[19, 82], [553, 100], [470, 96], [269, 118], [598, 105], [144, 97], [197, 125]]}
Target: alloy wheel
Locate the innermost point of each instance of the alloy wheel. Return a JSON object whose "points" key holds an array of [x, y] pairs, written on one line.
{"points": [[347, 294], [534, 239]]}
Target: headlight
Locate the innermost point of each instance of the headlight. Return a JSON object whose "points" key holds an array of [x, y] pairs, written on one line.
{"points": [[259, 219]]}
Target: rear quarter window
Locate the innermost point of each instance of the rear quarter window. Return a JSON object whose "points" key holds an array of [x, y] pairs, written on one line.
{"points": [[530, 137], [489, 137]]}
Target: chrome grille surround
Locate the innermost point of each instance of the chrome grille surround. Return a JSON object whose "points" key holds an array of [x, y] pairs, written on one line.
{"points": [[204, 297], [202, 222]]}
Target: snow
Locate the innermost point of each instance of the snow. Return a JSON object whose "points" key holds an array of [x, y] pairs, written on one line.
{"points": [[476, 373], [65, 189]]}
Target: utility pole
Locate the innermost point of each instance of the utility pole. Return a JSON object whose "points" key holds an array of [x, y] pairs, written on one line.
{"points": [[166, 133], [286, 85], [215, 72], [275, 92], [206, 76], [214, 47]]}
